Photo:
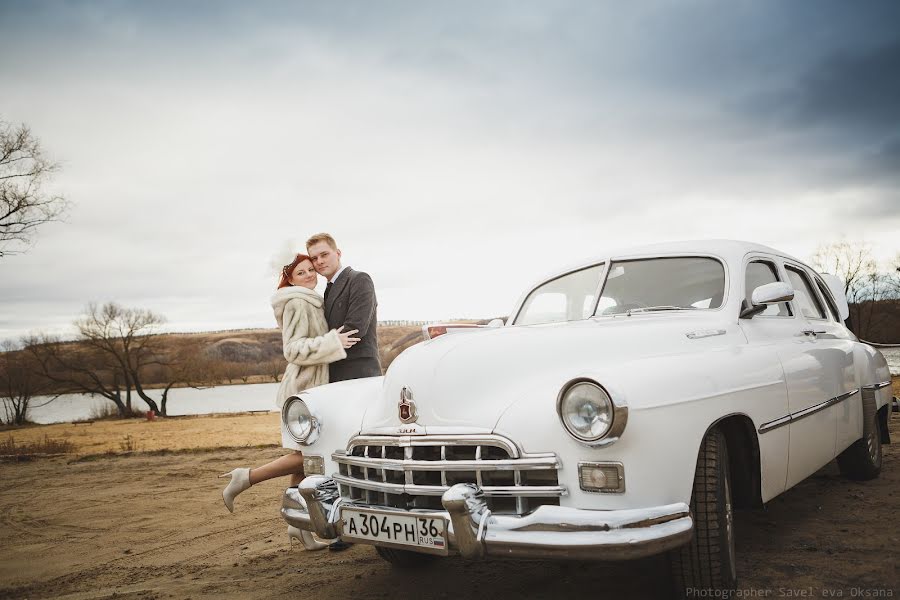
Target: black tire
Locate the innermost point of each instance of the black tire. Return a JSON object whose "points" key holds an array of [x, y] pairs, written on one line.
{"points": [[404, 559], [861, 461], [707, 562]]}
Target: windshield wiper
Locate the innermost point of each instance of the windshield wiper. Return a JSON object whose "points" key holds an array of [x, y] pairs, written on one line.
{"points": [[642, 309]]}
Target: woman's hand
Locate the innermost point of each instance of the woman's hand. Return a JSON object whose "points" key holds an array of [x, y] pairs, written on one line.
{"points": [[347, 339]]}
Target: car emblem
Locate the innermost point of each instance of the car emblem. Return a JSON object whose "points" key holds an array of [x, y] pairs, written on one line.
{"points": [[407, 406]]}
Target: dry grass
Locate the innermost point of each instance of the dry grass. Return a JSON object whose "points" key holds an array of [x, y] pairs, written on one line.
{"points": [[174, 433], [128, 444], [46, 445], [109, 411]]}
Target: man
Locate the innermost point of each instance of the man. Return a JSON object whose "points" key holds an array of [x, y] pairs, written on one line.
{"points": [[349, 301]]}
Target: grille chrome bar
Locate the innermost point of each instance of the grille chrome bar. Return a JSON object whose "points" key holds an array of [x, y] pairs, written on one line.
{"points": [[503, 491], [520, 464], [438, 440]]}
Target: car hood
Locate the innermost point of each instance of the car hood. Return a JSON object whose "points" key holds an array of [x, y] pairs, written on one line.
{"points": [[463, 382]]}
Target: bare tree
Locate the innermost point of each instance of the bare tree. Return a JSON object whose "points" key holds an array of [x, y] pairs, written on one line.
{"points": [[867, 288], [126, 336], [20, 384], [77, 370], [24, 204], [851, 261]]}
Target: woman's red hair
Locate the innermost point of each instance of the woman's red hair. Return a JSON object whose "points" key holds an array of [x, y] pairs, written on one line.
{"points": [[288, 269]]}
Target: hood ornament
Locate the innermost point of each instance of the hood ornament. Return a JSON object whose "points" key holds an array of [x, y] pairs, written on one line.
{"points": [[407, 407]]}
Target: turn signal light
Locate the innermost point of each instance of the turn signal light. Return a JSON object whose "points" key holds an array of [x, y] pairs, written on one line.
{"points": [[601, 477], [313, 465]]}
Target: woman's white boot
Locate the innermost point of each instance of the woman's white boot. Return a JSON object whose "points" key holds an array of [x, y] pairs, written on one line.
{"points": [[240, 481], [306, 538]]}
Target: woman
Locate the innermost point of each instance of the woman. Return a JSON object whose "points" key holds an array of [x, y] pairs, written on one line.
{"points": [[308, 348]]}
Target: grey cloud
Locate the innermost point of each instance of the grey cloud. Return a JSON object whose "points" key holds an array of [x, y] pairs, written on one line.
{"points": [[521, 117], [858, 91], [887, 158]]}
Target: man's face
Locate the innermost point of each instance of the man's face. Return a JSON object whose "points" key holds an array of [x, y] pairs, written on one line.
{"points": [[326, 259]]}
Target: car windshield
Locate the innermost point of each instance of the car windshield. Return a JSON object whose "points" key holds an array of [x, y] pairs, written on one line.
{"points": [[631, 286], [658, 284], [570, 297]]}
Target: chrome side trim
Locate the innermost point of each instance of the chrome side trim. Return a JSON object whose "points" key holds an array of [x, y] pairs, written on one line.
{"points": [[811, 410], [877, 386], [766, 427]]}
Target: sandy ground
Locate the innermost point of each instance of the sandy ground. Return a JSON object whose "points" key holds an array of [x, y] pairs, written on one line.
{"points": [[152, 526]]}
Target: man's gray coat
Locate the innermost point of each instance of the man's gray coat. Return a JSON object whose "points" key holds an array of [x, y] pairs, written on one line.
{"points": [[351, 302]]}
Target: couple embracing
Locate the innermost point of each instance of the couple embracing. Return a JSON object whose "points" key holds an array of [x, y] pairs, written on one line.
{"points": [[325, 340]]}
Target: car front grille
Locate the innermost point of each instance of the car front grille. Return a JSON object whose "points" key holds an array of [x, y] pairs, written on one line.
{"points": [[413, 472]]}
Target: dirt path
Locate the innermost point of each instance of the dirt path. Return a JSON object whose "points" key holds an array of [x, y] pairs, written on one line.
{"points": [[153, 526]]}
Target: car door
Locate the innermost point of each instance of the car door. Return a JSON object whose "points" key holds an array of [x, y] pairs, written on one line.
{"points": [[837, 343], [773, 335], [815, 381]]}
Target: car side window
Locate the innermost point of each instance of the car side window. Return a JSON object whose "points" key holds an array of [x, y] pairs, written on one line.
{"points": [[804, 296], [829, 302], [760, 273]]}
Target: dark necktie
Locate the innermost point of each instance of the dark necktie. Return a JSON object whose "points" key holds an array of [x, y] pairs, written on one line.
{"points": [[327, 289]]}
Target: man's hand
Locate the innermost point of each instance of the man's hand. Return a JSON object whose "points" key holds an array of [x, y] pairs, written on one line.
{"points": [[347, 339]]}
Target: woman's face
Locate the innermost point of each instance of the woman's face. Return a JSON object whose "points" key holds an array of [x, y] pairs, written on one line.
{"points": [[304, 275]]}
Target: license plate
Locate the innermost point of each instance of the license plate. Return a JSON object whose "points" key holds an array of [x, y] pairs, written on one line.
{"points": [[390, 528]]}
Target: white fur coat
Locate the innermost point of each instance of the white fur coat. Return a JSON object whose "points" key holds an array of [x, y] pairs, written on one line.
{"points": [[308, 345]]}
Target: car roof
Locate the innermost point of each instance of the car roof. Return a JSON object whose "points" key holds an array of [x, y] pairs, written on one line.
{"points": [[732, 251]]}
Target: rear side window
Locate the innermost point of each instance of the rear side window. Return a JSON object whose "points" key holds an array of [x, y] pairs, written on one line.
{"points": [[805, 297], [760, 273]]}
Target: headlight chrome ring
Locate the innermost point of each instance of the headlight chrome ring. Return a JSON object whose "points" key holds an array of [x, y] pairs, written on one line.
{"points": [[589, 414], [299, 421]]}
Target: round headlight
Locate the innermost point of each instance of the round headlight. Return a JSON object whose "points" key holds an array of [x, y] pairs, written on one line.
{"points": [[586, 411], [299, 420]]}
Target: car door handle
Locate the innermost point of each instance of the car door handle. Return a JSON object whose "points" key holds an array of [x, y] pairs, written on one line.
{"points": [[812, 332]]}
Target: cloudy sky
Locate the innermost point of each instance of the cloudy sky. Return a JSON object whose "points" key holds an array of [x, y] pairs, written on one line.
{"points": [[456, 150]]}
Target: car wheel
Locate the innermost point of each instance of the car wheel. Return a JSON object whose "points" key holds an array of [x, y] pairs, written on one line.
{"points": [[707, 562], [404, 559], [862, 460]]}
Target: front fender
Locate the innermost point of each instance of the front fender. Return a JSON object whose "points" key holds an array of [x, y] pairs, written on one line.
{"points": [[339, 408], [672, 402]]}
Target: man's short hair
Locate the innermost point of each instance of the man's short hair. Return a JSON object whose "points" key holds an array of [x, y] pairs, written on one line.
{"points": [[322, 237]]}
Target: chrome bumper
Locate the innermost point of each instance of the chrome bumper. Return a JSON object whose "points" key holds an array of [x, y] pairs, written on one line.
{"points": [[548, 532]]}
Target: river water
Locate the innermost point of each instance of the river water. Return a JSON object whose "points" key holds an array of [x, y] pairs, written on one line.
{"points": [[892, 355], [182, 401]]}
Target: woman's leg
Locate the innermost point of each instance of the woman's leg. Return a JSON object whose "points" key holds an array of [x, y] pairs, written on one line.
{"points": [[289, 464]]}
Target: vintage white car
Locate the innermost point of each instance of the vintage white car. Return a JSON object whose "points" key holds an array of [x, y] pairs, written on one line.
{"points": [[627, 407]]}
